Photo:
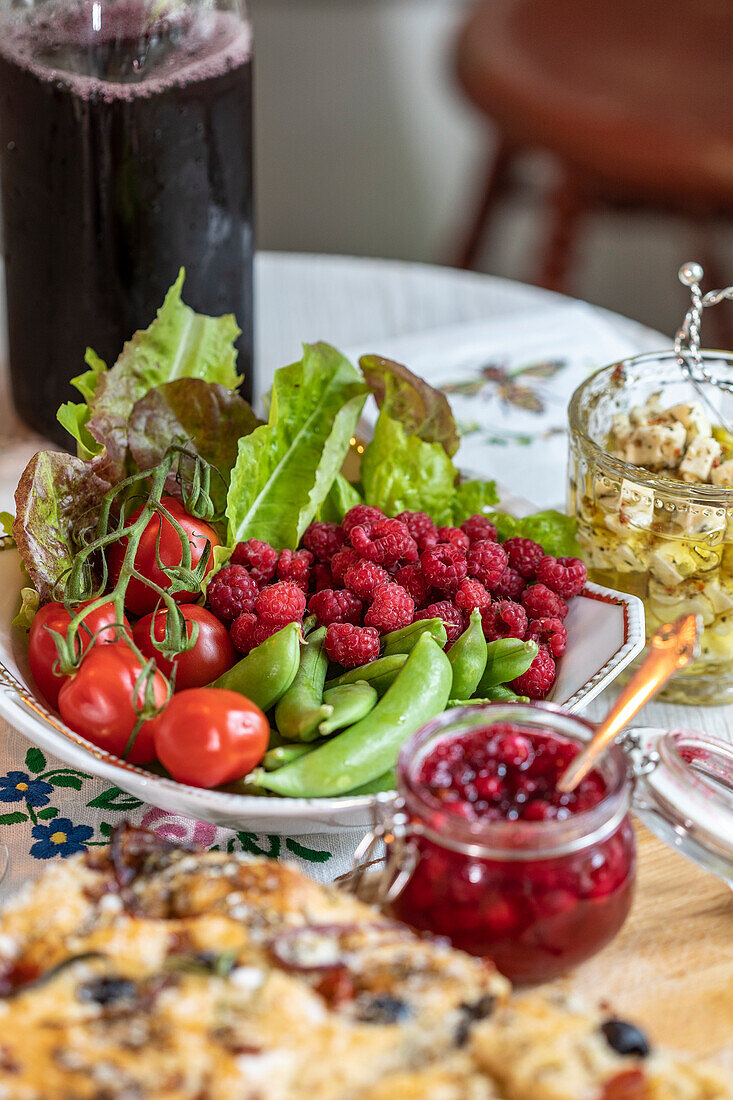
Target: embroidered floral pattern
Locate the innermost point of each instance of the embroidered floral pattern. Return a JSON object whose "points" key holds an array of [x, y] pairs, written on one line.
{"points": [[62, 838]]}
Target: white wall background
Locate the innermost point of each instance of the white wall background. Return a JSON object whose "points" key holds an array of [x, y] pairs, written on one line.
{"points": [[365, 146]]}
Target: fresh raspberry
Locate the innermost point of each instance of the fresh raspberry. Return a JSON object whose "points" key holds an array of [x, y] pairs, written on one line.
{"points": [[231, 592], [539, 677], [392, 608], [281, 603], [478, 528], [454, 536], [323, 540], [540, 602], [361, 515], [352, 646], [295, 566], [385, 541], [330, 606], [342, 561], [364, 578], [452, 618], [321, 576], [511, 584], [259, 557], [421, 528], [566, 576], [248, 631], [486, 562], [444, 566], [549, 632], [504, 619], [472, 594], [411, 577], [524, 555]]}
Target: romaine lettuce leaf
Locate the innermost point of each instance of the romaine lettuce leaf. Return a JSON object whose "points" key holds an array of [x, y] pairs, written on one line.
{"points": [[340, 497], [286, 467], [56, 493], [401, 471], [207, 418], [178, 344], [421, 409]]}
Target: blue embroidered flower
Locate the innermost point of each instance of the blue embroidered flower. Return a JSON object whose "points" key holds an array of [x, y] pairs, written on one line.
{"points": [[19, 787], [61, 838]]}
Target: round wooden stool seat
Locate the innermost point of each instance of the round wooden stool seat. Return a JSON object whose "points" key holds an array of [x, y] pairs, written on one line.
{"points": [[634, 96]]}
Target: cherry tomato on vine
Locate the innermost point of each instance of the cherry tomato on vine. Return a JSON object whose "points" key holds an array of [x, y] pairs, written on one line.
{"points": [[139, 599], [212, 653], [42, 652], [209, 736], [97, 701]]}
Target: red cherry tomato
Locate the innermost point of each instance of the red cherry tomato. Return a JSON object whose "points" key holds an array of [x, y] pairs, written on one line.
{"points": [[211, 656], [42, 652], [209, 736], [139, 599], [97, 701]]}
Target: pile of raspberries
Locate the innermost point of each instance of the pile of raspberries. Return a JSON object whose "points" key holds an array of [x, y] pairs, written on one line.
{"points": [[371, 575]]}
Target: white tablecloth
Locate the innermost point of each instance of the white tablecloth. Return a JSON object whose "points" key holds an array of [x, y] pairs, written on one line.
{"points": [[448, 326]]}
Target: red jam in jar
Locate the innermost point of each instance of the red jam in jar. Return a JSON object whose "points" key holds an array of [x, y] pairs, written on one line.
{"points": [[509, 867]]}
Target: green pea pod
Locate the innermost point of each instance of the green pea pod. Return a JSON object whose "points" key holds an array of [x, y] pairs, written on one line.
{"points": [[405, 639], [350, 703], [500, 693], [267, 672], [283, 754], [370, 747], [384, 782], [310, 622], [506, 658], [381, 673], [468, 656], [301, 708]]}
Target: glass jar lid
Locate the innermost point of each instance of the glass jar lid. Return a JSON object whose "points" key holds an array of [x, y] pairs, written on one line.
{"points": [[684, 794]]}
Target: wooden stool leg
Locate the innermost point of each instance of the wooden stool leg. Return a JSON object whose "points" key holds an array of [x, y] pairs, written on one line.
{"points": [[494, 185], [567, 206]]}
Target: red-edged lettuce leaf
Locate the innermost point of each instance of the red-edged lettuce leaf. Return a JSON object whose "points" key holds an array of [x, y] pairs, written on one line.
{"points": [[421, 409], [206, 418], [56, 495]]}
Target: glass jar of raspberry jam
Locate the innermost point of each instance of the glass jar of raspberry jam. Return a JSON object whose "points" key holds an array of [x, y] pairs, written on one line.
{"points": [[506, 866]]}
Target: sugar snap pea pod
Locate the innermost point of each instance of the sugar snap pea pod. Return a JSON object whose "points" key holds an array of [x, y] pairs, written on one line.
{"points": [[310, 622], [370, 747], [350, 703], [283, 754], [381, 673], [301, 708], [405, 639], [468, 657], [505, 659], [500, 693], [384, 782], [267, 672]]}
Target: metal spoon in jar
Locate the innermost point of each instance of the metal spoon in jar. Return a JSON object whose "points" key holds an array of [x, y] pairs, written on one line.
{"points": [[672, 647]]}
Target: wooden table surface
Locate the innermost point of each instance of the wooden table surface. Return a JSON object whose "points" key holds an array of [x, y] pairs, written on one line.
{"points": [[671, 967]]}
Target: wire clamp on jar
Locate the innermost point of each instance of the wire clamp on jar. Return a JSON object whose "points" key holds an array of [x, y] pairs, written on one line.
{"points": [[391, 827], [687, 340]]}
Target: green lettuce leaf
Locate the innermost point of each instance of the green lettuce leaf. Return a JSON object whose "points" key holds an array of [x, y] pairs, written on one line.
{"points": [[340, 497], [286, 467], [75, 416], [29, 604], [421, 409], [56, 494], [178, 344], [401, 471], [207, 418], [471, 497], [553, 530]]}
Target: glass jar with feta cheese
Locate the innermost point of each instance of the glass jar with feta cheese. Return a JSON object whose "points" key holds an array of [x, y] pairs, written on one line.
{"points": [[651, 485]]}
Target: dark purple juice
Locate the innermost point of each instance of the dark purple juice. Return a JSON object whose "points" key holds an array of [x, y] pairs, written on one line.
{"points": [[126, 152]]}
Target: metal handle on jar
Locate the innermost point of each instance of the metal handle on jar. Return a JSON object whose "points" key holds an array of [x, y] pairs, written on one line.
{"points": [[672, 647], [392, 827]]}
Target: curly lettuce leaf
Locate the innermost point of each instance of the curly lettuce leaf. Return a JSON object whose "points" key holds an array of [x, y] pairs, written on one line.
{"points": [[75, 416], [179, 343], [341, 496], [401, 471], [206, 418], [286, 467], [56, 494], [30, 601], [553, 530], [421, 409]]}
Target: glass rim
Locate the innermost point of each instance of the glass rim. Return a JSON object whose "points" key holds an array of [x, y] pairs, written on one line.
{"points": [[514, 840], [705, 495]]}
